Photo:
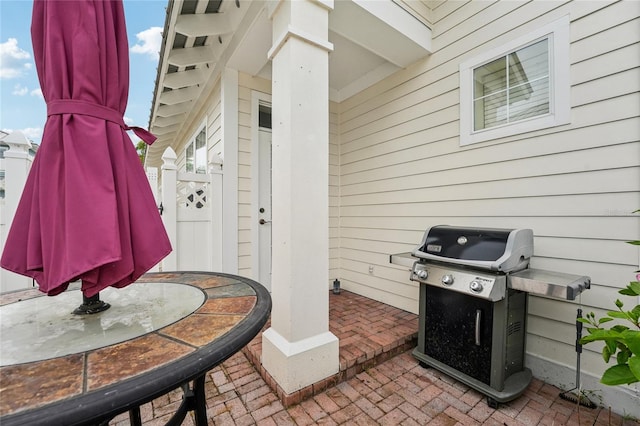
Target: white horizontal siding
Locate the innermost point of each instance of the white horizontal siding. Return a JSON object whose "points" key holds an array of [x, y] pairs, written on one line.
{"points": [[334, 192], [618, 36], [402, 168], [610, 226], [549, 207], [552, 349], [246, 85]]}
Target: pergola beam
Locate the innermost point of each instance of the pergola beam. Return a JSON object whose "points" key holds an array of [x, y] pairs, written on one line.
{"points": [[169, 121], [169, 110], [192, 56], [203, 24], [180, 95], [177, 80]]}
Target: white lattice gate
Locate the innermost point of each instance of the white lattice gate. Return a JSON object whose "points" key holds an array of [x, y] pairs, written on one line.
{"points": [[192, 214], [193, 227]]}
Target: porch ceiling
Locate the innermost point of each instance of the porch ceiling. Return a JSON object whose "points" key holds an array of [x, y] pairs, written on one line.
{"points": [[202, 37]]}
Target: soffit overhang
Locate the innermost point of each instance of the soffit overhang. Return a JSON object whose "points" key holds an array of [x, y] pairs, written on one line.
{"points": [[372, 39]]}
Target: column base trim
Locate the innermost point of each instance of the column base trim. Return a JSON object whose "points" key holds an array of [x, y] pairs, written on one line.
{"points": [[294, 365]]}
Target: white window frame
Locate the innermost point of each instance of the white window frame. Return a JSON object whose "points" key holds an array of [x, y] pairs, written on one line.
{"points": [[557, 33], [192, 142]]}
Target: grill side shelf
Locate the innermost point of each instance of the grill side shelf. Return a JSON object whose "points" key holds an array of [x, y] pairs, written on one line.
{"points": [[403, 259], [549, 283]]}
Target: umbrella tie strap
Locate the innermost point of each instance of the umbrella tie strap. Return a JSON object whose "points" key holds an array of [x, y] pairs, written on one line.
{"points": [[74, 106]]}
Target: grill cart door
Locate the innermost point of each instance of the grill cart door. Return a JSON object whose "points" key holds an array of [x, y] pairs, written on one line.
{"points": [[458, 331]]}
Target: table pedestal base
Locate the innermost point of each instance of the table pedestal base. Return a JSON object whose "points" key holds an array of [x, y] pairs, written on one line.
{"points": [[91, 305]]}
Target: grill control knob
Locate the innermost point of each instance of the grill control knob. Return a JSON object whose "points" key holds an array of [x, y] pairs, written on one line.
{"points": [[447, 279], [422, 274], [476, 286]]}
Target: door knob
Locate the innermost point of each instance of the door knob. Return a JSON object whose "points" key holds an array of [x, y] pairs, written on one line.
{"points": [[262, 221]]}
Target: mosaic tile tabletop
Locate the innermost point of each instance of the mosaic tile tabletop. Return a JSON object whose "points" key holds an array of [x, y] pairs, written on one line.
{"points": [[48, 355]]}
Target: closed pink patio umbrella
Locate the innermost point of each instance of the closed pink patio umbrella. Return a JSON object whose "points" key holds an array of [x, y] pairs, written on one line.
{"points": [[87, 211]]}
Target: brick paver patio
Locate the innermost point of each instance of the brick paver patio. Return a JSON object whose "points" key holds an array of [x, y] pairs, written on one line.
{"points": [[380, 383]]}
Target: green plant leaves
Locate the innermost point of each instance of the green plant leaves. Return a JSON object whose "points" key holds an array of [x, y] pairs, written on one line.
{"points": [[596, 334], [619, 340], [616, 314], [607, 352], [633, 289], [632, 340], [623, 356], [634, 366], [635, 313], [618, 375]]}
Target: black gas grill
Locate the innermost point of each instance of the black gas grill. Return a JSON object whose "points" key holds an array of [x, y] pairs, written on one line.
{"points": [[473, 304]]}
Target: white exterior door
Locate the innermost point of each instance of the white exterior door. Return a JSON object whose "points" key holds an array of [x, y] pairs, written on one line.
{"points": [[264, 207]]}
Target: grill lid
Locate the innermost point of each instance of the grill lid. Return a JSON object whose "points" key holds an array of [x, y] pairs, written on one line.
{"points": [[491, 249]]}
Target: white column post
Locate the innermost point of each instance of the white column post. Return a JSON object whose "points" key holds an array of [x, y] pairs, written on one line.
{"points": [[16, 167], [168, 196], [215, 200], [299, 350]]}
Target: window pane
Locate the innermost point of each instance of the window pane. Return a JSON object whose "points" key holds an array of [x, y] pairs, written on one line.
{"points": [[189, 159], [525, 94], [490, 78], [529, 64], [201, 152], [264, 116], [529, 81], [490, 111], [529, 100]]}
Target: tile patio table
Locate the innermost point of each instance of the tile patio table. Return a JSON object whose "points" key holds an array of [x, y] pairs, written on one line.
{"points": [[163, 332]]}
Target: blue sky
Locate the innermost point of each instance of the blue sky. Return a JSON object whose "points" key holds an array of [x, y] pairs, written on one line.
{"points": [[21, 104]]}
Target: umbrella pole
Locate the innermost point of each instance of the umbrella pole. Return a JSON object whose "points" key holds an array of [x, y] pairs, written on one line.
{"points": [[91, 305]]}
